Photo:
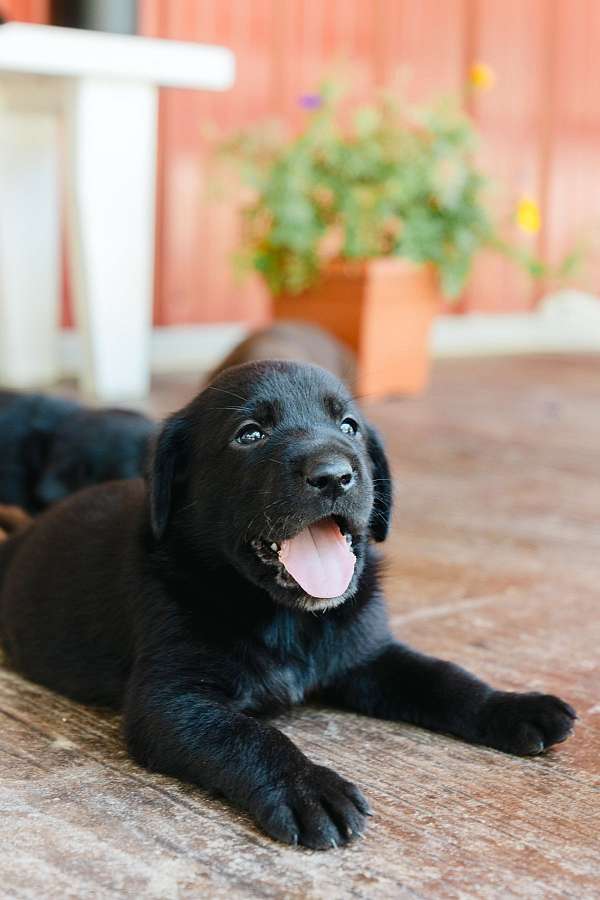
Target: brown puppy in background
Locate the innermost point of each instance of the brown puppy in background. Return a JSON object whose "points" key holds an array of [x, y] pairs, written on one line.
{"points": [[294, 342], [12, 521]]}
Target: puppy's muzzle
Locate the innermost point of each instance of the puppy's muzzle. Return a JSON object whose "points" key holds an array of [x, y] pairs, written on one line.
{"points": [[325, 472], [331, 476]]}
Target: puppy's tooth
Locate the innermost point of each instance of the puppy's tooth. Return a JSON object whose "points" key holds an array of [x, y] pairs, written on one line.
{"points": [[275, 547]]}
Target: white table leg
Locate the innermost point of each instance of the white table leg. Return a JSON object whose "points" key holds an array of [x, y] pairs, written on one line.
{"points": [[29, 248], [111, 192]]}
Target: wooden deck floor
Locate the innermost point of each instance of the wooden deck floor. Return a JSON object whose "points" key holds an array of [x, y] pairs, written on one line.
{"points": [[494, 562]]}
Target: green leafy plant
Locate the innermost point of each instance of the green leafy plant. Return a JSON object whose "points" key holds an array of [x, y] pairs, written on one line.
{"points": [[384, 180]]}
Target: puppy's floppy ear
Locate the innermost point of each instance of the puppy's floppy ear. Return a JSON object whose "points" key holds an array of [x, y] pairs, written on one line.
{"points": [[167, 463], [382, 483]]}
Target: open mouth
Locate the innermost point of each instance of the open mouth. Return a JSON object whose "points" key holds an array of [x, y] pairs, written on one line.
{"points": [[319, 560]]}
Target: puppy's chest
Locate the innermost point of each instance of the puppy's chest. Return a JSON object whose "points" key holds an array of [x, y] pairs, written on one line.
{"points": [[270, 688], [275, 673]]}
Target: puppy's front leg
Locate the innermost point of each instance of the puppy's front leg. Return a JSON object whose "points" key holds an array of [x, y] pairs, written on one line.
{"points": [[178, 724], [404, 685]]}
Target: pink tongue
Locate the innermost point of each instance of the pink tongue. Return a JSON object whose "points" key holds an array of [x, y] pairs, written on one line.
{"points": [[319, 559]]}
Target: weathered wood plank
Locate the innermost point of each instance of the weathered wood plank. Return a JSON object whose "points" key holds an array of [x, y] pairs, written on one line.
{"points": [[493, 562]]}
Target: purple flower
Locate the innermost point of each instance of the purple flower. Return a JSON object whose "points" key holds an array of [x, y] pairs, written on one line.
{"points": [[310, 101]]}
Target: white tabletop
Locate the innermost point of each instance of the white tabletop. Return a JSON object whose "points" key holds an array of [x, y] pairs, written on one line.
{"points": [[75, 53]]}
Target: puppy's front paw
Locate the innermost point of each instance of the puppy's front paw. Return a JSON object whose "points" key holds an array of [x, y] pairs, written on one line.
{"points": [[525, 724], [315, 807]]}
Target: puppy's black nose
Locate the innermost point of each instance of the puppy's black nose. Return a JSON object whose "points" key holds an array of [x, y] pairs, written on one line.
{"points": [[331, 476]]}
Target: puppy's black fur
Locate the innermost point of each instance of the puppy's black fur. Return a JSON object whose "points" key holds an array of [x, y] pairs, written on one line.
{"points": [[51, 447], [165, 601]]}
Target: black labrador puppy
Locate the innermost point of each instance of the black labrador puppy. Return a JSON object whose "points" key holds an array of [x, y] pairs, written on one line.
{"points": [[51, 447], [240, 581]]}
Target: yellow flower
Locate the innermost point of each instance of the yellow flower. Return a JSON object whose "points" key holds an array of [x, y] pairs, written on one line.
{"points": [[528, 215], [481, 77]]}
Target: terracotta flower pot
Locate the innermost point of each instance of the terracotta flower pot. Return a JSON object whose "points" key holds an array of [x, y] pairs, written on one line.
{"points": [[383, 309]]}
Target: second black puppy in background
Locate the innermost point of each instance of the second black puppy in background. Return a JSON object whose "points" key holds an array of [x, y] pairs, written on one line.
{"points": [[51, 447]]}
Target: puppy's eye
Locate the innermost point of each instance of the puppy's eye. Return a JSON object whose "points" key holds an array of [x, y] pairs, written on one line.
{"points": [[349, 426], [250, 434]]}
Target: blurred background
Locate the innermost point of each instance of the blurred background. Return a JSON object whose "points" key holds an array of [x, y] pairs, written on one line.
{"points": [[540, 123], [526, 72]]}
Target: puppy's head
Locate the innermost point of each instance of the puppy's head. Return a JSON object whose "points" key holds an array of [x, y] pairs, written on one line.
{"points": [[272, 469]]}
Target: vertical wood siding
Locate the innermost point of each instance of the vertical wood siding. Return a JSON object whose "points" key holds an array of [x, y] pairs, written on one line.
{"points": [[540, 122], [35, 11], [283, 48]]}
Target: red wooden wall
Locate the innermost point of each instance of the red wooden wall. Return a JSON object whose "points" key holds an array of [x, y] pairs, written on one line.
{"points": [[25, 10], [540, 122], [283, 47]]}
